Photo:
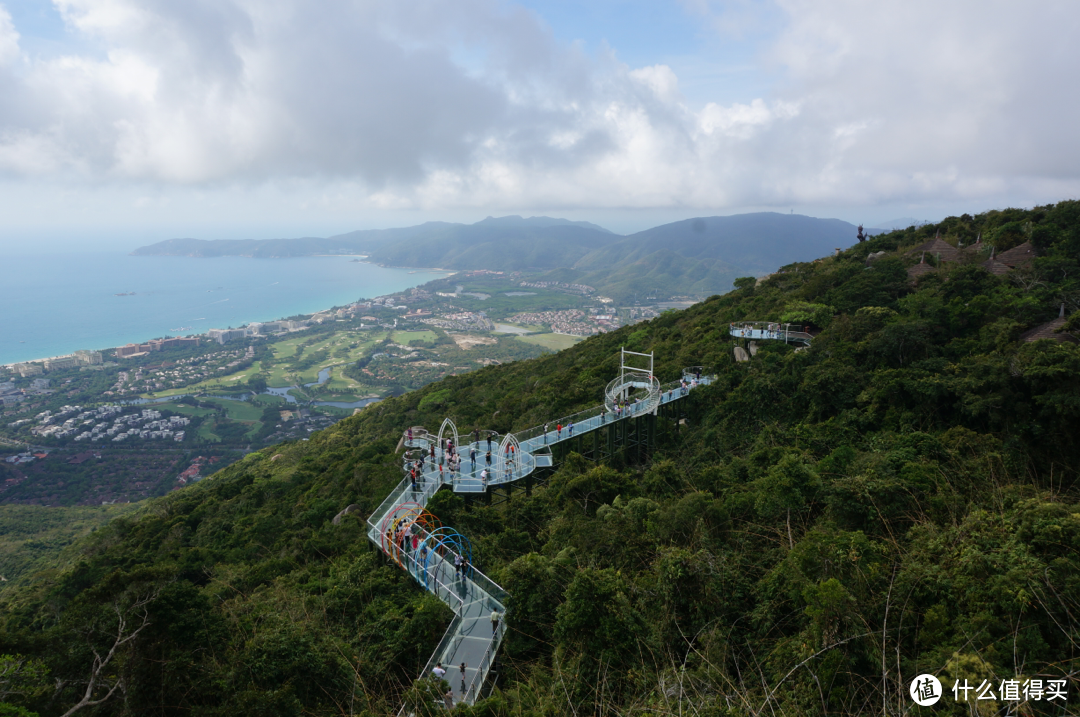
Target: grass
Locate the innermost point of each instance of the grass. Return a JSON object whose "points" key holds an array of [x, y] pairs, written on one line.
{"points": [[206, 432], [183, 409], [237, 410], [554, 342], [404, 337]]}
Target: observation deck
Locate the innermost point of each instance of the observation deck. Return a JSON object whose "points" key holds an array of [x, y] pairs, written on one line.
{"points": [[405, 532], [770, 331]]}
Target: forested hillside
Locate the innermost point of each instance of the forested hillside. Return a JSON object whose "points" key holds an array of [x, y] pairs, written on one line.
{"points": [[899, 498]]}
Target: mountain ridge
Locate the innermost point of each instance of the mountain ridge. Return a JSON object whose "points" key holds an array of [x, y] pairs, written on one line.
{"points": [[698, 256]]}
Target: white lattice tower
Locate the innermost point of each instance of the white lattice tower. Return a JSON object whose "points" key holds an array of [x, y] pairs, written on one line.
{"points": [[509, 457], [448, 430]]}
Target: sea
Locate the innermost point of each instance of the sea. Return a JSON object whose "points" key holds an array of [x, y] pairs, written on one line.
{"points": [[53, 305]]}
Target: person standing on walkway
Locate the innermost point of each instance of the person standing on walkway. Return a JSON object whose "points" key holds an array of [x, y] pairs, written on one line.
{"points": [[489, 458], [484, 476], [489, 441], [558, 431], [476, 435], [448, 699], [494, 622], [603, 414], [571, 429], [546, 432], [410, 435], [472, 454], [432, 452], [438, 671]]}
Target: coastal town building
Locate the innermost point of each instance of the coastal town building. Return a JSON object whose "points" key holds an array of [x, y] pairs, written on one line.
{"points": [[224, 335], [60, 363], [88, 358], [28, 369]]}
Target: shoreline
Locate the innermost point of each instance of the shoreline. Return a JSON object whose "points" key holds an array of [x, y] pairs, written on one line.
{"points": [[413, 270]]}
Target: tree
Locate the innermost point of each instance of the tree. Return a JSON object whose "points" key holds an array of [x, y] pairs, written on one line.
{"points": [[110, 635]]}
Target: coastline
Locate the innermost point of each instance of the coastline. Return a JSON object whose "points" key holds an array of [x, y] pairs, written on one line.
{"points": [[92, 317]]}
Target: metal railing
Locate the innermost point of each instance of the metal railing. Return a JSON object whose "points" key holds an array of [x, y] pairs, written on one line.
{"points": [[476, 591]]}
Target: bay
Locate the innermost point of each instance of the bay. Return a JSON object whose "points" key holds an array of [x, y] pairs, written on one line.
{"points": [[52, 305]]}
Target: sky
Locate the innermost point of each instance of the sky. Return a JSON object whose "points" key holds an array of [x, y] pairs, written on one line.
{"points": [[124, 122]]}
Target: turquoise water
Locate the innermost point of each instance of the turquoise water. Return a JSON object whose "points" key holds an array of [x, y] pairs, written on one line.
{"points": [[51, 305]]}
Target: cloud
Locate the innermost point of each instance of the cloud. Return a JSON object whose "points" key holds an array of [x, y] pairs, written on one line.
{"points": [[473, 103]]}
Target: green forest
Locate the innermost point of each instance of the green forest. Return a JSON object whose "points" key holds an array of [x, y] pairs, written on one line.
{"points": [[821, 527]]}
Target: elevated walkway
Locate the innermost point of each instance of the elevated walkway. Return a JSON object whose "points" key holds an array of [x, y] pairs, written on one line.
{"points": [[405, 532], [770, 331]]}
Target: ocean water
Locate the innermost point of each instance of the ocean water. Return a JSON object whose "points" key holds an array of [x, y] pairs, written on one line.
{"points": [[52, 305]]}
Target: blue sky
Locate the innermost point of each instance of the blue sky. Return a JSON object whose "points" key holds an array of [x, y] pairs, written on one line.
{"points": [[125, 121]]}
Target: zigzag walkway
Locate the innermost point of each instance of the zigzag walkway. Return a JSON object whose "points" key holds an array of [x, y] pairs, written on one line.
{"points": [[413, 538]]}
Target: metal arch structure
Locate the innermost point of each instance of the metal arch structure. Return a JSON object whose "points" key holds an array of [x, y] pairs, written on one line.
{"points": [[641, 386], [403, 515], [448, 430], [509, 459], [447, 540], [634, 381]]}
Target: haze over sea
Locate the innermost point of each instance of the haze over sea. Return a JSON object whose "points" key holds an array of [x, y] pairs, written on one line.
{"points": [[58, 304]]}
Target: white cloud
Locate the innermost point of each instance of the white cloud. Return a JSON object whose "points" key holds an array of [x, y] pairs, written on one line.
{"points": [[436, 104], [9, 39]]}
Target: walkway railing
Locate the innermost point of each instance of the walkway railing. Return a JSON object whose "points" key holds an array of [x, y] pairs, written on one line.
{"points": [[471, 595]]}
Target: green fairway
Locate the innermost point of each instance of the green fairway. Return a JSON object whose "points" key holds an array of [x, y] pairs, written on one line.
{"points": [[341, 348], [555, 342], [206, 432], [237, 410], [404, 337], [183, 409]]}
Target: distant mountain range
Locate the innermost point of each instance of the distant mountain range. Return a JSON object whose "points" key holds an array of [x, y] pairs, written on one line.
{"points": [[699, 256]]}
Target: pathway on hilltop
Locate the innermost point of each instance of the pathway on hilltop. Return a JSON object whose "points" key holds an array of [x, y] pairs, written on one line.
{"points": [[472, 595]]}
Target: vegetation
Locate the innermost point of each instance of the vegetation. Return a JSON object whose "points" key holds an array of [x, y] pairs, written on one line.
{"points": [[900, 498]]}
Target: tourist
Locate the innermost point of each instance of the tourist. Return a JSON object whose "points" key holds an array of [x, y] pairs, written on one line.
{"points": [[571, 429], [476, 435], [433, 451], [494, 622], [603, 414], [558, 431], [438, 671], [489, 458], [472, 454], [484, 474], [489, 441], [410, 435], [546, 432], [448, 699]]}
